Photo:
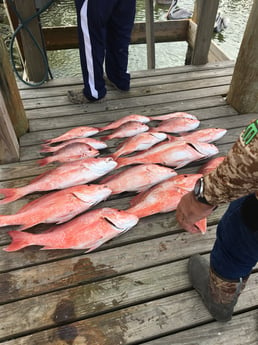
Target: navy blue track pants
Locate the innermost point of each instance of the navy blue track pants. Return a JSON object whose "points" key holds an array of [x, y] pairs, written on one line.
{"points": [[235, 251], [104, 29]]}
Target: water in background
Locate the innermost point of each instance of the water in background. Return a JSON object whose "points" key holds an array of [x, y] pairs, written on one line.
{"points": [[66, 62]]}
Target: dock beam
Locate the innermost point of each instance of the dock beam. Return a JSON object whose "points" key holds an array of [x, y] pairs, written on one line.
{"points": [[13, 121], [243, 92]]}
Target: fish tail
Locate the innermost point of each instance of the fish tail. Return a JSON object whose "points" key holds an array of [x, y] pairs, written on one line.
{"points": [[47, 148], [19, 240], [102, 129], [10, 194], [48, 141], [43, 161]]}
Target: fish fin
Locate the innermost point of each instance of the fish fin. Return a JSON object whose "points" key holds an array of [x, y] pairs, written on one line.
{"points": [[47, 248], [19, 240], [27, 225], [137, 198], [81, 196], [92, 248], [45, 149], [10, 194], [181, 165]]}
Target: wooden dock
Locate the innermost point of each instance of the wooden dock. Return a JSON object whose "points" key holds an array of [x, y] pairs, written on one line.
{"points": [[135, 288]]}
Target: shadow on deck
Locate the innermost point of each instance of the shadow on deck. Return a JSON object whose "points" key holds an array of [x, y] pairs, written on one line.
{"points": [[134, 289]]}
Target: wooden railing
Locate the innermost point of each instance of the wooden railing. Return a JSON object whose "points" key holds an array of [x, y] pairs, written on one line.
{"points": [[197, 32]]}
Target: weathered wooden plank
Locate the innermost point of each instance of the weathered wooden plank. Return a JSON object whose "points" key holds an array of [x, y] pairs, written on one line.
{"points": [[72, 271], [91, 299], [140, 74], [143, 285], [216, 53], [111, 115], [132, 103], [57, 38], [136, 92], [164, 89], [141, 82], [240, 330], [137, 323]]}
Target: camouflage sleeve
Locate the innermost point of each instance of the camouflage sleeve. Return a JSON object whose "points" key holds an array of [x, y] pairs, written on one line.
{"points": [[237, 175]]}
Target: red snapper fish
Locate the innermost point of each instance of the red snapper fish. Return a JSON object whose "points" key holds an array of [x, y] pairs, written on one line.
{"points": [[78, 132], [206, 135], [70, 153], [177, 125], [173, 115], [57, 207], [87, 231], [182, 183], [128, 129], [174, 154], [95, 143], [165, 197], [127, 118], [157, 199], [140, 142], [138, 178], [211, 165], [67, 175]]}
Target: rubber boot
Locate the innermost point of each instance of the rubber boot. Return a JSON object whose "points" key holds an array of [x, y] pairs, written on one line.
{"points": [[218, 294]]}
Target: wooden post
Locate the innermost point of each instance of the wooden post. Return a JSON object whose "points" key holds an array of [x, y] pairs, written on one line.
{"points": [[9, 147], [13, 22], [204, 14], [35, 67], [10, 95], [150, 34], [243, 92]]}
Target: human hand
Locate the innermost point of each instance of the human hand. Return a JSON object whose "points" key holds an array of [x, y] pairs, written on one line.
{"points": [[189, 211]]}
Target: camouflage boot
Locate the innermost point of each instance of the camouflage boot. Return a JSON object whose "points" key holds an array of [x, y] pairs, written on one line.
{"points": [[219, 295]]}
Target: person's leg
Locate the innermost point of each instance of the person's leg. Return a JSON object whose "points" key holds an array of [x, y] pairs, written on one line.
{"points": [[233, 256], [91, 32], [119, 30]]}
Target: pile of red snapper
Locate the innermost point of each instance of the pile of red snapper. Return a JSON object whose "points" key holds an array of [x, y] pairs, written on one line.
{"points": [[155, 152]]}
